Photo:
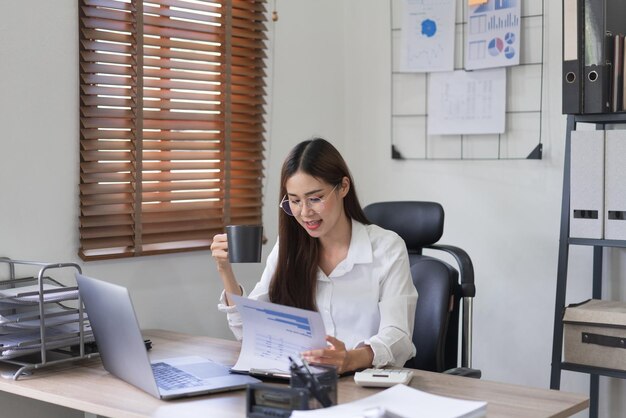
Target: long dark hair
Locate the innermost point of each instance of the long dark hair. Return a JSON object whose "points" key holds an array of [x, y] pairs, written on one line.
{"points": [[295, 280]]}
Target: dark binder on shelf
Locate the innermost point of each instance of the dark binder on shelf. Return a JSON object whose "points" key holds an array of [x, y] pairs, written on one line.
{"points": [[623, 91], [572, 56], [617, 82], [602, 19]]}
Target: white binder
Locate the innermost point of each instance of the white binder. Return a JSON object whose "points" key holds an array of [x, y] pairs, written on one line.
{"points": [[587, 184], [615, 186]]}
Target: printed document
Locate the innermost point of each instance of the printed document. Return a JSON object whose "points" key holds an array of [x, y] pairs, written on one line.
{"points": [[467, 102], [492, 34], [272, 333], [400, 401], [428, 30]]}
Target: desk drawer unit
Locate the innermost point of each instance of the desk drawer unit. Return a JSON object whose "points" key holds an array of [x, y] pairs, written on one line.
{"points": [[595, 334]]}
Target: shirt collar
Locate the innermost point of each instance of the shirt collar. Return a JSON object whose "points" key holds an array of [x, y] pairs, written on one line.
{"points": [[360, 244], [360, 251]]}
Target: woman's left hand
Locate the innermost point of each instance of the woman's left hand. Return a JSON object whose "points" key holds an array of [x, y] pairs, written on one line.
{"points": [[334, 355]]}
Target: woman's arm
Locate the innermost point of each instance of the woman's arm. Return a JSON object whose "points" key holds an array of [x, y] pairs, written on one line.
{"points": [[219, 251], [393, 344], [260, 291]]}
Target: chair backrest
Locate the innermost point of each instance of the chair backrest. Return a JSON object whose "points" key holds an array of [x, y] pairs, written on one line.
{"points": [[433, 316], [419, 224], [435, 333]]}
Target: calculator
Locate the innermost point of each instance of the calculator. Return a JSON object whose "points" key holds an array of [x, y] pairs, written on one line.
{"points": [[383, 377]]}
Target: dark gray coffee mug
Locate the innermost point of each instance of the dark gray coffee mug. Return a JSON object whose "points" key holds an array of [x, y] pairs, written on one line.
{"points": [[244, 243]]}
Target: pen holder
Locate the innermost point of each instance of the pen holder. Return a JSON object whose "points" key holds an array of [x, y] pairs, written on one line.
{"points": [[272, 401], [321, 383]]}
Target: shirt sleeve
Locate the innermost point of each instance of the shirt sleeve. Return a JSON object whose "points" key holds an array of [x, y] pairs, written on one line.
{"points": [[260, 292], [393, 345]]}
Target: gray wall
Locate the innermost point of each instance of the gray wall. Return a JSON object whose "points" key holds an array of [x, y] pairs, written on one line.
{"points": [[328, 76]]}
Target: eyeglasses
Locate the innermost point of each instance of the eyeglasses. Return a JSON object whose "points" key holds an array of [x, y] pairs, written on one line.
{"points": [[294, 207]]}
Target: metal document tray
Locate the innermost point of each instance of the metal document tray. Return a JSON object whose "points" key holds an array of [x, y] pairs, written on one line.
{"points": [[42, 319]]}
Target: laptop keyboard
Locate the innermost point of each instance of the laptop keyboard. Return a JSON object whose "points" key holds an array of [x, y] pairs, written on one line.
{"points": [[169, 377]]}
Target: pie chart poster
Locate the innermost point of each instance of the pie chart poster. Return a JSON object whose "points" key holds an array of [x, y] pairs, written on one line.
{"points": [[493, 34]]}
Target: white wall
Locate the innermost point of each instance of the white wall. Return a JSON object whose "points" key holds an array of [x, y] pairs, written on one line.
{"points": [[330, 76]]}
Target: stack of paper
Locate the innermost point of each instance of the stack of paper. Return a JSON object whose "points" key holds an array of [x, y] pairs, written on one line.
{"points": [[29, 341], [55, 315], [401, 401], [21, 325], [28, 295]]}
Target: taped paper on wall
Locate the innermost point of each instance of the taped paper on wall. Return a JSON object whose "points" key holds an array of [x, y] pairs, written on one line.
{"points": [[463, 102], [427, 42]]}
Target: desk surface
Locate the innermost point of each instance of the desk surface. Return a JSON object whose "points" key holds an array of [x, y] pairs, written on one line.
{"points": [[86, 386]]}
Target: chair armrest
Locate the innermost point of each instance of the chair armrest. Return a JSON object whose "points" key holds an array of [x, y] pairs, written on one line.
{"points": [[464, 371], [466, 268]]}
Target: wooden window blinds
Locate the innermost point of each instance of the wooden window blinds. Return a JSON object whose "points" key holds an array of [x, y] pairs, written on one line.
{"points": [[171, 123]]}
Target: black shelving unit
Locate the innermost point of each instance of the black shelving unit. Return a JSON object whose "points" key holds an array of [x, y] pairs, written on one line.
{"points": [[600, 120]]}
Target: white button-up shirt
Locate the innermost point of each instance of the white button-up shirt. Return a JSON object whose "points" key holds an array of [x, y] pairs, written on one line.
{"points": [[368, 299]]}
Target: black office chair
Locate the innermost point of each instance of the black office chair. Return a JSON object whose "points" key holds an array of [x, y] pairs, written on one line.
{"points": [[436, 329]]}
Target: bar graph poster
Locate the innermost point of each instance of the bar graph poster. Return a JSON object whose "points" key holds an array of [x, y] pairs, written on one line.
{"points": [[493, 34], [427, 42]]}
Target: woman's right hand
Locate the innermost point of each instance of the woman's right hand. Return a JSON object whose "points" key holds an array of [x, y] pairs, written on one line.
{"points": [[219, 251]]}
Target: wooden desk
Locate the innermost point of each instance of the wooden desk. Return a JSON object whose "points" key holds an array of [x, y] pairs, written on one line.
{"points": [[86, 386]]}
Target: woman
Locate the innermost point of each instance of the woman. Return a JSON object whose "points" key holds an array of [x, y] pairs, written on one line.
{"points": [[329, 258]]}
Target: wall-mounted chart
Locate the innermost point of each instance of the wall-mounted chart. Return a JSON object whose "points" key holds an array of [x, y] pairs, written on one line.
{"points": [[493, 27], [428, 41], [513, 33]]}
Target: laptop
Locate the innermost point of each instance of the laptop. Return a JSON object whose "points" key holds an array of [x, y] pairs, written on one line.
{"points": [[124, 355]]}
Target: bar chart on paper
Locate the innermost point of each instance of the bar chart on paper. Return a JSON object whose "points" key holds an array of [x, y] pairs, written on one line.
{"points": [[295, 324], [508, 21], [272, 333], [270, 346]]}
